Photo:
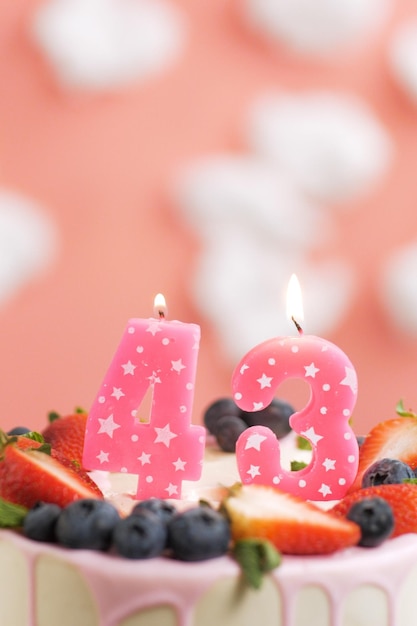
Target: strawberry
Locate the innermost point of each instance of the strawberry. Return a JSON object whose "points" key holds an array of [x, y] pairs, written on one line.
{"points": [[29, 475], [66, 435], [291, 524], [24, 443], [394, 439], [402, 498]]}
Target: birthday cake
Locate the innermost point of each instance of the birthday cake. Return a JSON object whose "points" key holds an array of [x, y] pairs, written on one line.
{"points": [[45, 584]]}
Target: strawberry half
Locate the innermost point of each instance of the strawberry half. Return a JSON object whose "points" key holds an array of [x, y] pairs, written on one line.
{"points": [[394, 439], [402, 498], [28, 476], [66, 435], [24, 443], [291, 524]]}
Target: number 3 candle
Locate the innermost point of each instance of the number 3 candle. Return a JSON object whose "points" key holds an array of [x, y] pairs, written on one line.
{"points": [[167, 449], [324, 421]]}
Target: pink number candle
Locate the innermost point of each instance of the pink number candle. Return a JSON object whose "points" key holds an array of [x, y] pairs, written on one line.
{"points": [[166, 449], [324, 421]]}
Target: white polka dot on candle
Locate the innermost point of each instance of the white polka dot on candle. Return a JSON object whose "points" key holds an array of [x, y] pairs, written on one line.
{"points": [[326, 387], [139, 349], [134, 413], [346, 412], [102, 399], [131, 330], [302, 483], [123, 470], [238, 396], [351, 458], [149, 479], [165, 341], [189, 386], [183, 409], [342, 481], [271, 361], [294, 348], [134, 438], [347, 435], [276, 480]]}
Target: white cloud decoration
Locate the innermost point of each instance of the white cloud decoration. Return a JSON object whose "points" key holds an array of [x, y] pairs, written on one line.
{"points": [[330, 143], [104, 44], [28, 242], [316, 27], [256, 229], [398, 288], [403, 57]]}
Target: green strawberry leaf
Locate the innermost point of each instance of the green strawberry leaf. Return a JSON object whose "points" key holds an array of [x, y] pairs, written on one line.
{"points": [[303, 444], [11, 515], [34, 436], [256, 557], [402, 412], [53, 416], [298, 465]]}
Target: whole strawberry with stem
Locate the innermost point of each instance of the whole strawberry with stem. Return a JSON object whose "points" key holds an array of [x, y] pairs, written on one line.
{"points": [[66, 434]]}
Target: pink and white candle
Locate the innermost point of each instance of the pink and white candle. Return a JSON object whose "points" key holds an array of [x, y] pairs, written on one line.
{"points": [[165, 450], [324, 421]]}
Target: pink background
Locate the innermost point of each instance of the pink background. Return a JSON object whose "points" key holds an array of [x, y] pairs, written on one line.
{"points": [[102, 166]]}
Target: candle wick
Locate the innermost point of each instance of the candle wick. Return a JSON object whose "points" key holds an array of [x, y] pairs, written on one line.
{"points": [[161, 314], [297, 325]]}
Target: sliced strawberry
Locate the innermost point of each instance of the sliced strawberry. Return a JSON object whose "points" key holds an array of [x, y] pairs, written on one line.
{"points": [[66, 435], [291, 524], [394, 439], [401, 497], [28, 475]]}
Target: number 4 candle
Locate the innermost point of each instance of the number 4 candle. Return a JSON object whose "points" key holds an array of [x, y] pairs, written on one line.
{"points": [[324, 421], [167, 449]]}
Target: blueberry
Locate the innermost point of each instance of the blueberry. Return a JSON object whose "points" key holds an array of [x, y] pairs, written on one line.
{"points": [[216, 410], [386, 472], [163, 509], [18, 430], [198, 534], [360, 439], [275, 416], [40, 522], [87, 523], [228, 430], [142, 535], [375, 518]]}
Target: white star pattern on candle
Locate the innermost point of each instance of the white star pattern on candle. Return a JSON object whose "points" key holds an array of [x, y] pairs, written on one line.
{"points": [[311, 434], [144, 458], [179, 465], [350, 379], [128, 368], [172, 489], [254, 471], [103, 457], [257, 406], [154, 378], [325, 490], [264, 381], [164, 435], [117, 393], [254, 441], [153, 328], [329, 464], [177, 366], [311, 370], [107, 426]]}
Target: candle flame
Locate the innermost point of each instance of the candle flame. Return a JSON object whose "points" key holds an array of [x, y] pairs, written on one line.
{"points": [[295, 310], [159, 306]]}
